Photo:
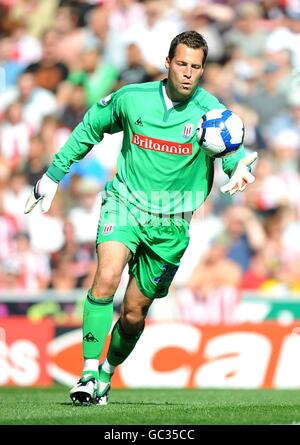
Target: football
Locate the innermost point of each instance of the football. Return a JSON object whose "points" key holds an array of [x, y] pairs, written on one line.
{"points": [[220, 132]]}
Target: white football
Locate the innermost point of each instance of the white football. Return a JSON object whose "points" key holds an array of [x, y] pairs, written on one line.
{"points": [[220, 132]]}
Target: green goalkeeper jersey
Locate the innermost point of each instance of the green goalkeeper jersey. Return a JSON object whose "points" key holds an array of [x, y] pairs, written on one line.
{"points": [[161, 168]]}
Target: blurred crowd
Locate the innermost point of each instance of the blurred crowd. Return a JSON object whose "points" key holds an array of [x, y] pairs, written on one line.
{"points": [[58, 57]]}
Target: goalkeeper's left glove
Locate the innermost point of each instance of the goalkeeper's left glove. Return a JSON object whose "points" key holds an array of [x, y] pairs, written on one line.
{"points": [[241, 176]]}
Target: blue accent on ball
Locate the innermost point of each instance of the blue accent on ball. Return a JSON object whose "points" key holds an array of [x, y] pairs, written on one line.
{"points": [[226, 137], [216, 122], [226, 114]]}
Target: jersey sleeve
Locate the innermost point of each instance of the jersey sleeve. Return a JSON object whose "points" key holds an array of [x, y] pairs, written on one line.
{"points": [[229, 162], [103, 117]]}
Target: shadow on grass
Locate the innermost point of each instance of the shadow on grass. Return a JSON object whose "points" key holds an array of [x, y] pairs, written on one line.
{"points": [[125, 403]]}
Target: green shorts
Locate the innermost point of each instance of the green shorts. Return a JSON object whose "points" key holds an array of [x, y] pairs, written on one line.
{"points": [[157, 243]]}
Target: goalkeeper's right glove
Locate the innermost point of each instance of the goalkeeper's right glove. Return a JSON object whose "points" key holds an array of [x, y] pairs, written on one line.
{"points": [[43, 192]]}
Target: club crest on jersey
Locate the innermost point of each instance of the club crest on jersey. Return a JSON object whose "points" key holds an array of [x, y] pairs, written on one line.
{"points": [[105, 100], [187, 131], [108, 228]]}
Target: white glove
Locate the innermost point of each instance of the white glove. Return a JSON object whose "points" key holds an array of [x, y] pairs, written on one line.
{"points": [[43, 191], [241, 176]]}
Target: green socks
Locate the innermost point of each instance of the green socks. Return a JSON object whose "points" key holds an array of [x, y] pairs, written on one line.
{"points": [[121, 344], [97, 320]]}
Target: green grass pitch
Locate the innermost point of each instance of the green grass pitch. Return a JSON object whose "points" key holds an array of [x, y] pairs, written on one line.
{"points": [[52, 406]]}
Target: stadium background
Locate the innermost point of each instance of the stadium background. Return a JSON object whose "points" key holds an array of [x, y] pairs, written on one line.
{"points": [[231, 319]]}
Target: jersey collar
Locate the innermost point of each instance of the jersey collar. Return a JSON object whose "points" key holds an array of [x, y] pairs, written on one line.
{"points": [[167, 102]]}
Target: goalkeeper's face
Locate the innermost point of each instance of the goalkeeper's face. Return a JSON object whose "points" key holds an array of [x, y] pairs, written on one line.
{"points": [[184, 72]]}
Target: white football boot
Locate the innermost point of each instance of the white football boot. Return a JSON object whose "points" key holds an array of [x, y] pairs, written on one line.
{"points": [[101, 397], [85, 390], [103, 387]]}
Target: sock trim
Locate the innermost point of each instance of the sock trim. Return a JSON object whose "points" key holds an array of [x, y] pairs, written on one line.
{"points": [[100, 301]]}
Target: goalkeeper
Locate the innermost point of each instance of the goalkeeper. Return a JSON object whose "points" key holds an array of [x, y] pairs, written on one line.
{"points": [[162, 177]]}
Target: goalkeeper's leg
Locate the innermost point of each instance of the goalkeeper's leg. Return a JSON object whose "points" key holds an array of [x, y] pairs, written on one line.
{"points": [[98, 315], [125, 335]]}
